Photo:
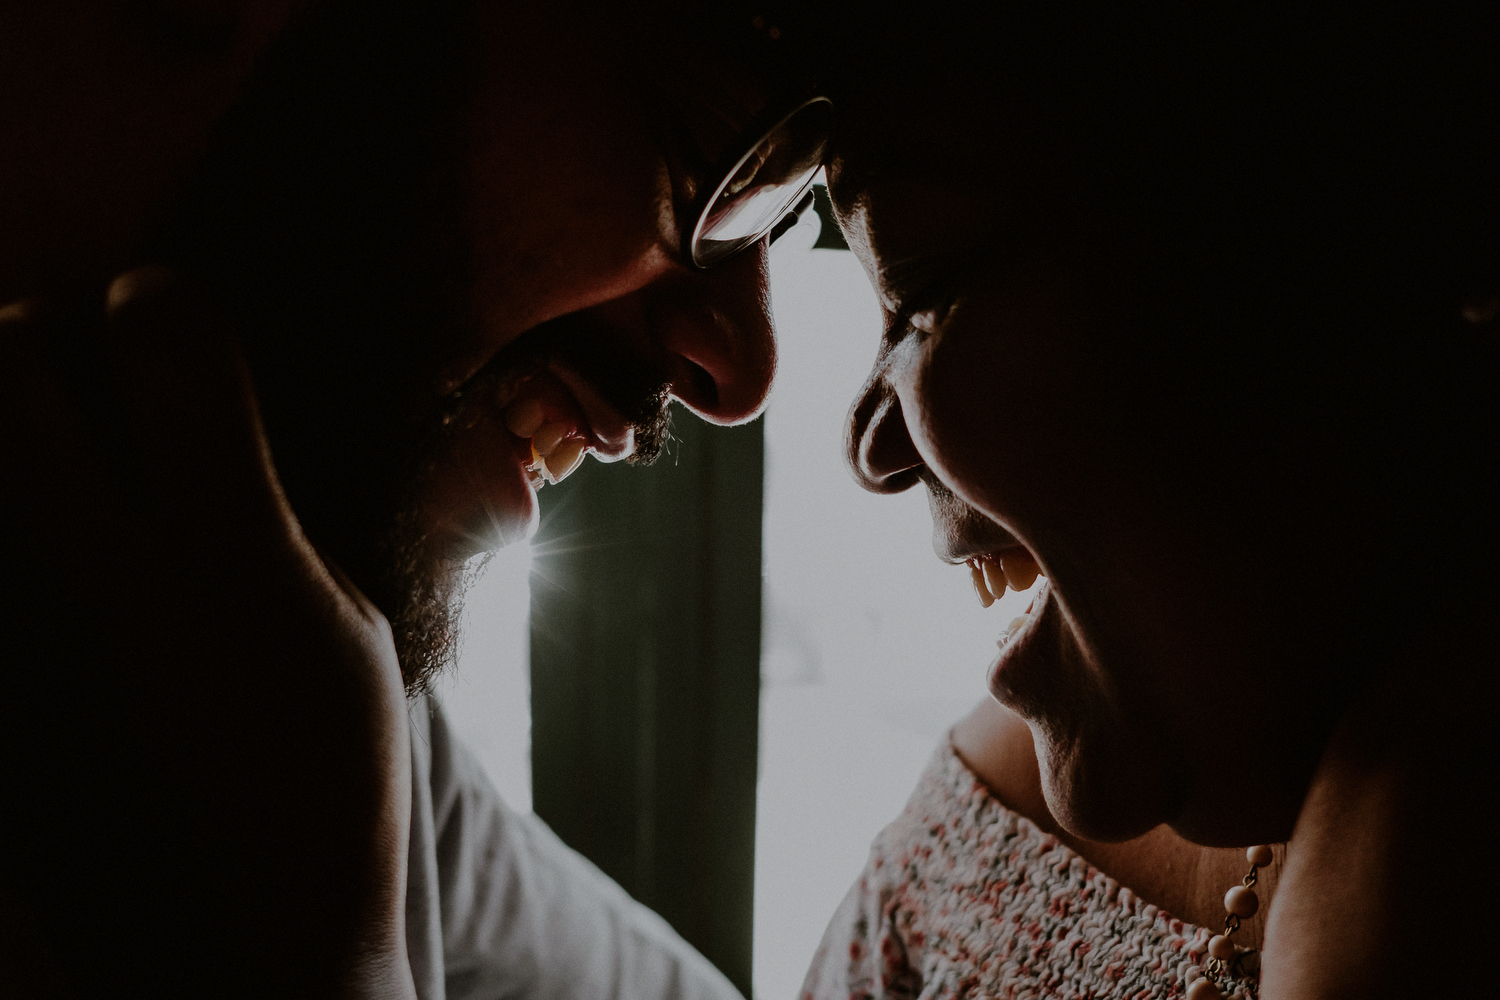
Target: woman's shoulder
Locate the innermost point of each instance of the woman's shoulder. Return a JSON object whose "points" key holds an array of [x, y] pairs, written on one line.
{"points": [[962, 893], [954, 827], [951, 842]]}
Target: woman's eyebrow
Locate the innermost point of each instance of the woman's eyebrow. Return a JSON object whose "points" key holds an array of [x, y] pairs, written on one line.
{"points": [[913, 278], [915, 271], [922, 280]]}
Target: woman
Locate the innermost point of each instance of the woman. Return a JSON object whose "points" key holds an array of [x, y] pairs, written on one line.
{"points": [[1198, 312]]}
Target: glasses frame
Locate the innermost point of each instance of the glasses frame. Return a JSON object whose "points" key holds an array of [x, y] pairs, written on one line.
{"points": [[794, 206]]}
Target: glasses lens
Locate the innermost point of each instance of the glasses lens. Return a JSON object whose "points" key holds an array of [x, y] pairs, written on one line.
{"points": [[764, 184]]}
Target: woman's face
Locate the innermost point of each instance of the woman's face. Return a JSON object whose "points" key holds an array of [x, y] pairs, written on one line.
{"points": [[1059, 377]]}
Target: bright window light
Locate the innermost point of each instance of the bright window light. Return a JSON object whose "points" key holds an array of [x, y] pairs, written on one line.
{"points": [[872, 648], [487, 699]]}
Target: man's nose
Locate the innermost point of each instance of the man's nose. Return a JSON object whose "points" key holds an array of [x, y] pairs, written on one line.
{"points": [[717, 331], [877, 443]]}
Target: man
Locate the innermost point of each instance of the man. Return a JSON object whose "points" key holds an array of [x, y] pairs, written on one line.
{"points": [[416, 256]]}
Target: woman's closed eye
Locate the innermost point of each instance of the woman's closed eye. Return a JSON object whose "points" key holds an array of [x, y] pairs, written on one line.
{"points": [[927, 288], [923, 311]]}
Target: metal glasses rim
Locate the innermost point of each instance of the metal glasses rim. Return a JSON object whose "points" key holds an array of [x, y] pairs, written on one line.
{"points": [[729, 176]]}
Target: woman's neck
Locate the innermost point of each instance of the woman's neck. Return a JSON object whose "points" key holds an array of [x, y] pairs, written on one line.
{"points": [[1390, 870], [1187, 880]]}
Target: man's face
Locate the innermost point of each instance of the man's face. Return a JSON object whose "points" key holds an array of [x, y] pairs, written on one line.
{"points": [[572, 218], [424, 318]]}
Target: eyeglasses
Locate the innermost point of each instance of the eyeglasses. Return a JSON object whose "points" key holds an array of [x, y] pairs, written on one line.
{"points": [[769, 180]]}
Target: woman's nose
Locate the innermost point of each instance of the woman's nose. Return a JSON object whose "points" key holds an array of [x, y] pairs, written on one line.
{"points": [[717, 330], [879, 448]]}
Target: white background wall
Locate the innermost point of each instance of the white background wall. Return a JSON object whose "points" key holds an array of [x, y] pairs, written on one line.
{"points": [[873, 648]]}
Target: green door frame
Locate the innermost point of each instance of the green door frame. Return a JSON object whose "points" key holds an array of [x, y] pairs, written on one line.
{"points": [[645, 678]]}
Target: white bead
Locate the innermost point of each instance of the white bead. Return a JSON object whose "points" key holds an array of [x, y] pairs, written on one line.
{"points": [[1241, 902], [1259, 856], [1221, 947], [1202, 989]]}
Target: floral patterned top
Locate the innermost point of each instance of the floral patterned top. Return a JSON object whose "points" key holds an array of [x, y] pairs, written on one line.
{"points": [[963, 898]]}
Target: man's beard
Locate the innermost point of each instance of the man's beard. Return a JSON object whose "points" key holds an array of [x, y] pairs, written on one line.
{"points": [[428, 603], [327, 223], [419, 589]]}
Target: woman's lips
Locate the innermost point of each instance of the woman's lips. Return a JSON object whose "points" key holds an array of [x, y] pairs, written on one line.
{"points": [[1011, 567], [1030, 649], [1020, 646]]}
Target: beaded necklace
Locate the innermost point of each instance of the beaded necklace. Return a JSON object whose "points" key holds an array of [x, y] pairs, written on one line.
{"points": [[1242, 903]]}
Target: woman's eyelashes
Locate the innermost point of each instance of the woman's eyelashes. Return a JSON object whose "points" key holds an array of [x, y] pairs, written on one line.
{"points": [[927, 287], [923, 314], [928, 320]]}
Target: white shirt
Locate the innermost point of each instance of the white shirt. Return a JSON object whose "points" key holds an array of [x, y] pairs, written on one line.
{"points": [[497, 906]]}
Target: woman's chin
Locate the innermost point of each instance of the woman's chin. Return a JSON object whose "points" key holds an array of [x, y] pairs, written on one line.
{"points": [[1100, 793]]}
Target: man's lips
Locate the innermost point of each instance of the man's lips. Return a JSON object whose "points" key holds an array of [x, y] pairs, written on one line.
{"points": [[611, 437], [607, 386], [530, 414], [504, 444], [545, 411], [479, 493]]}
